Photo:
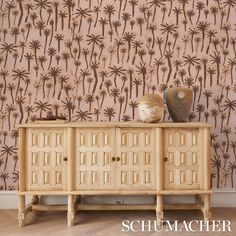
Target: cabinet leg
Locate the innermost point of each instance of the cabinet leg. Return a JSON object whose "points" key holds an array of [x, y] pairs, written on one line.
{"points": [[71, 211], [21, 213], [197, 198], [35, 200], [78, 199], [206, 209], [159, 209]]}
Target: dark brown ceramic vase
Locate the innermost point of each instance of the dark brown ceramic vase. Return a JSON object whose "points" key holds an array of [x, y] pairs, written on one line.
{"points": [[179, 102]]}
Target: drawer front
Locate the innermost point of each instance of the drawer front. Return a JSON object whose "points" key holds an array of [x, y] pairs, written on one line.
{"points": [[46, 166], [136, 168], [182, 159], [94, 166]]}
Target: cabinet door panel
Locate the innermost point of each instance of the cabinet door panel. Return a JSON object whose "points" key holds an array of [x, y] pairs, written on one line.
{"points": [[182, 163], [46, 149], [94, 168], [136, 166]]}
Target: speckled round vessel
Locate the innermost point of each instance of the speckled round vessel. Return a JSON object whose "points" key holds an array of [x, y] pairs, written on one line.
{"points": [[151, 108], [179, 102]]}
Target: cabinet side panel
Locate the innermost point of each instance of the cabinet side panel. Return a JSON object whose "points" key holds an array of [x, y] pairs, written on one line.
{"points": [[22, 159], [207, 156], [159, 158]]}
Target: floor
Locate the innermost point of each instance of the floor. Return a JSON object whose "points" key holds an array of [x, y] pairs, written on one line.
{"points": [[103, 223]]}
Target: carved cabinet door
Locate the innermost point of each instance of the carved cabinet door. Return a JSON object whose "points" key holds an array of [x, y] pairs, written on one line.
{"points": [[182, 159], [136, 160], [46, 159], [94, 159]]}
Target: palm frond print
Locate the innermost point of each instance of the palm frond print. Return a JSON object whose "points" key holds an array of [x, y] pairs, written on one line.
{"points": [[93, 60]]}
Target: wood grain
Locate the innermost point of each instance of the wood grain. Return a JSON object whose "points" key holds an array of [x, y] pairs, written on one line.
{"points": [[91, 158]]}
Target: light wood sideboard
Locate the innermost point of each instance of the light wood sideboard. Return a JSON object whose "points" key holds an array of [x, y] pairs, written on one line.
{"points": [[114, 158]]}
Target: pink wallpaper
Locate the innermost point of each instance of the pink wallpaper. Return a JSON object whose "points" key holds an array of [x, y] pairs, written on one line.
{"points": [[93, 60]]}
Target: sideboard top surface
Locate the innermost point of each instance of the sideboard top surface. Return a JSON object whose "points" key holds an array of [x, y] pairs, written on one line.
{"points": [[116, 124]]}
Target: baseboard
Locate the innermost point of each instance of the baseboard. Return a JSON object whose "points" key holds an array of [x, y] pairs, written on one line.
{"points": [[220, 198], [223, 198]]}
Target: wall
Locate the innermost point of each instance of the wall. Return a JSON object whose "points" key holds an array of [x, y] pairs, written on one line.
{"points": [[93, 60]]}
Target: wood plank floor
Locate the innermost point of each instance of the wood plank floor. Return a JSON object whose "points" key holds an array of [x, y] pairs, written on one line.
{"points": [[100, 223]]}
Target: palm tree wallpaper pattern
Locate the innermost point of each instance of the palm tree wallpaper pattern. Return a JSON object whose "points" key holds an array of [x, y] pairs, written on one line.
{"points": [[94, 59]]}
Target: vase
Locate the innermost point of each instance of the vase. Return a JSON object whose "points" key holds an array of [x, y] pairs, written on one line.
{"points": [[179, 102], [151, 108]]}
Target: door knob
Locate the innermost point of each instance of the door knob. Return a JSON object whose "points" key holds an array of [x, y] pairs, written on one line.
{"points": [[165, 159], [118, 158], [113, 158], [65, 159]]}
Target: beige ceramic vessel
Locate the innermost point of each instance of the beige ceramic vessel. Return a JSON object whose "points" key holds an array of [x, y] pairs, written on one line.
{"points": [[151, 108]]}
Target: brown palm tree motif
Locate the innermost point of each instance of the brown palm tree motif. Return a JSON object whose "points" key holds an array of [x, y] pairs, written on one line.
{"points": [[35, 45], [208, 95], [83, 115], [28, 109], [93, 40], [121, 100], [62, 80], [203, 27], [7, 48], [109, 112], [116, 71], [7, 151], [109, 10], [89, 99], [169, 55], [29, 57], [94, 66], [153, 28], [11, 88], [42, 106], [9, 110], [68, 105], [211, 72], [9, 7], [142, 70], [155, 4], [54, 72], [216, 59], [168, 29], [128, 38], [232, 64], [15, 135], [69, 4], [133, 105], [230, 105], [232, 168], [19, 75], [103, 22], [82, 13], [4, 74], [20, 101], [118, 43], [4, 176], [137, 82], [136, 45], [190, 61], [230, 4]]}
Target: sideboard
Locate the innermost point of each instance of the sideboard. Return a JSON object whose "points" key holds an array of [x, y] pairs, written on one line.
{"points": [[113, 158]]}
